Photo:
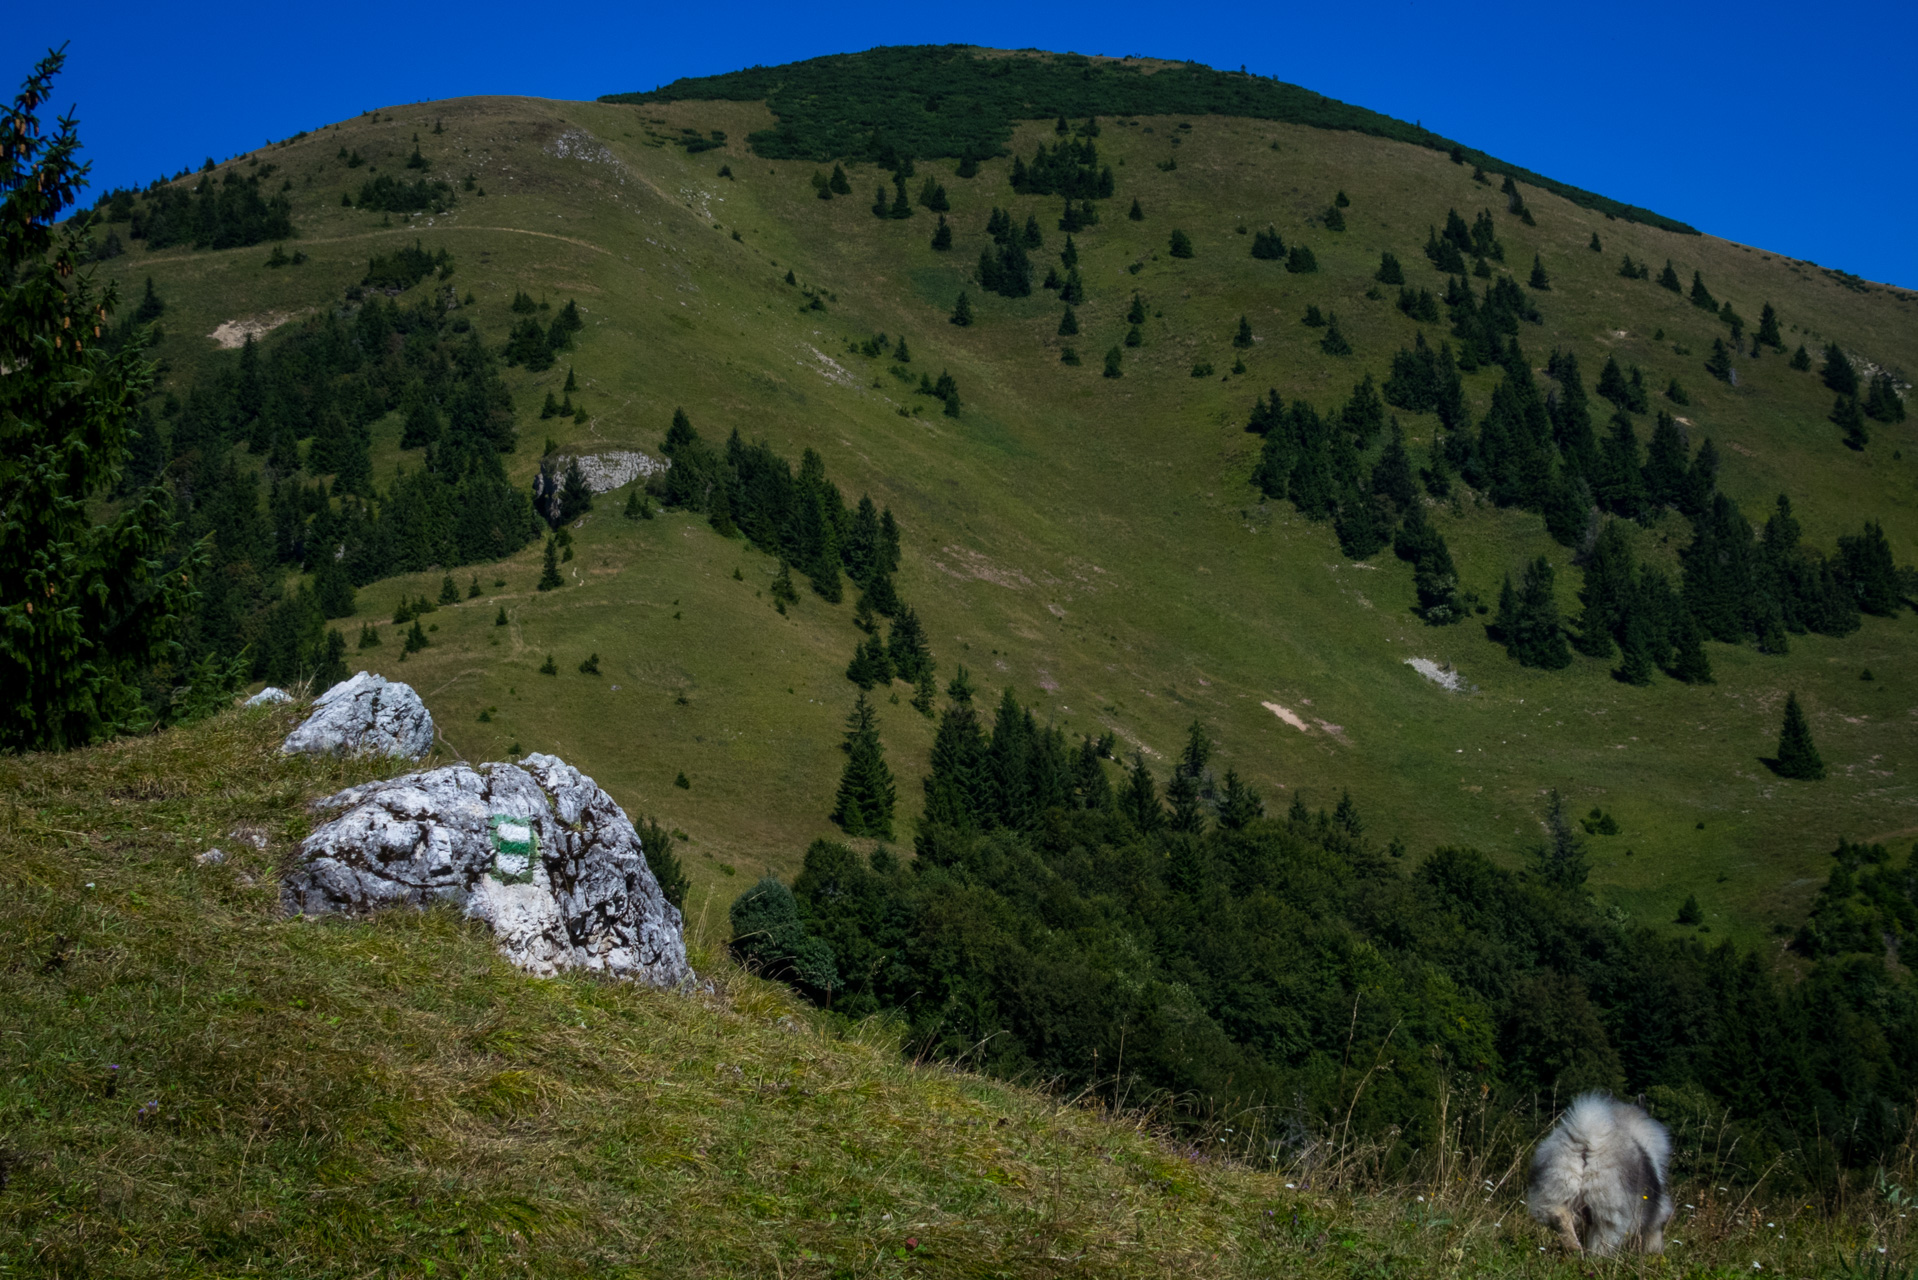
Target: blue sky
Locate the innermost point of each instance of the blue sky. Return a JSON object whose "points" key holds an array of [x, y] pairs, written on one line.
{"points": [[1790, 127]]}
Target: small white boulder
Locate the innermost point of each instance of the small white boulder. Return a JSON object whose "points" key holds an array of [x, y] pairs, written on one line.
{"points": [[269, 696], [366, 715]]}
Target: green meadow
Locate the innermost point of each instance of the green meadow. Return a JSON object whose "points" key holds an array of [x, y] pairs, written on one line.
{"points": [[1093, 543]]}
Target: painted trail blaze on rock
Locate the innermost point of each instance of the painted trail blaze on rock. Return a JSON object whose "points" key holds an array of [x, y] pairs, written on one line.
{"points": [[535, 850], [515, 849]]}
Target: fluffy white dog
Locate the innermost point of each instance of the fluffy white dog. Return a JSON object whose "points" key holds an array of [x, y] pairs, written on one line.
{"points": [[1599, 1178]]}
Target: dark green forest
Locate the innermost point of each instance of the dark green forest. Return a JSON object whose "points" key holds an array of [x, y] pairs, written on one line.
{"points": [[1288, 975], [948, 101]]}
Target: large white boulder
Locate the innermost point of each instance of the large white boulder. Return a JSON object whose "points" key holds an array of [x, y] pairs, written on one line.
{"points": [[535, 850], [366, 715]]}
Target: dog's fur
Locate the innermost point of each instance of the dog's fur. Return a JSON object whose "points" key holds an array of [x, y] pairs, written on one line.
{"points": [[1599, 1178]]}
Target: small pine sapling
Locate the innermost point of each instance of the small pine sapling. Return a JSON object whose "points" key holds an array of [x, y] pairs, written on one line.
{"points": [[1334, 343], [1797, 756]]}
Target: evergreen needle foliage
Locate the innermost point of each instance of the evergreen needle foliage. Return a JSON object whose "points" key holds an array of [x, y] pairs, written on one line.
{"points": [[1797, 756], [90, 601]]}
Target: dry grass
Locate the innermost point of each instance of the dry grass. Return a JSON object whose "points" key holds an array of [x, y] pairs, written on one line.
{"points": [[194, 1085]]}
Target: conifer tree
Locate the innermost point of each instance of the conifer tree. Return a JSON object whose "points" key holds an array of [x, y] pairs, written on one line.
{"points": [[549, 575], [1838, 373], [1392, 477], [1239, 805], [1883, 402], [1334, 220], [839, 184], [1539, 280], [1243, 338], [906, 648], [499, 619], [1595, 246], [924, 691], [1561, 859], [88, 600], [864, 805], [1113, 358], [962, 310], [1701, 296], [151, 305], [1800, 359], [1181, 245], [1768, 328], [1797, 756], [956, 784], [1689, 661], [1851, 419], [1719, 362], [1140, 801], [1136, 213], [1635, 666], [942, 235], [1528, 619], [1389, 272], [782, 590], [1346, 816], [1668, 278], [1069, 323], [449, 594], [1188, 814], [1690, 914], [369, 636], [1133, 337], [1334, 343]]}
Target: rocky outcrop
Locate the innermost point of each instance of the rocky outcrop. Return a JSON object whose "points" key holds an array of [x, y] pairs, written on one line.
{"points": [[366, 715], [614, 469], [535, 850], [268, 696]]}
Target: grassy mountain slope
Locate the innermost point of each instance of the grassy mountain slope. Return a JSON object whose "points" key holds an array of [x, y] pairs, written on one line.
{"points": [[1094, 543], [195, 1086]]}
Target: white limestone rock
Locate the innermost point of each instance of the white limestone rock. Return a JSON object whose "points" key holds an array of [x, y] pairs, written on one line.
{"points": [[268, 697], [366, 715], [535, 850]]}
